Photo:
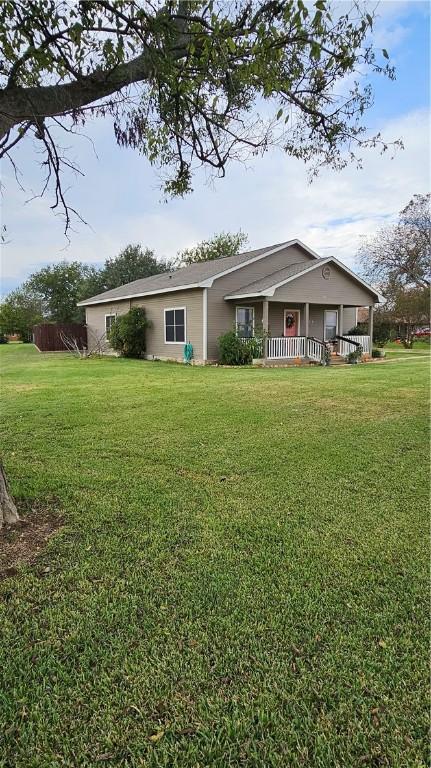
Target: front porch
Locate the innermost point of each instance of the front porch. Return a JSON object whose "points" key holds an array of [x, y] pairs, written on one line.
{"points": [[306, 331], [312, 349]]}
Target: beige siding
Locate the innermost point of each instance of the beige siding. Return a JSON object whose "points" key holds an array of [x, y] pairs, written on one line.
{"points": [[349, 316], [221, 313], [312, 287], [154, 306], [95, 320]]}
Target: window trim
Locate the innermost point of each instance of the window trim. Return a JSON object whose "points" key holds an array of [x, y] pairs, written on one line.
{"points": [[109, 314], [250, 307], [171, 309], [324, 323]]}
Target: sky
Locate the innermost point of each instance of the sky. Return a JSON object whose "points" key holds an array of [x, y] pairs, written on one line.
{"points": [[270, 199]]}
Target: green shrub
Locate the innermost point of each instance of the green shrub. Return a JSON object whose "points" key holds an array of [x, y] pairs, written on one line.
{"points": [[358, 330], [235, 351], [382, 333], [354, 356], [127, 334], [326, 359], [3, 339], [378, 353]]}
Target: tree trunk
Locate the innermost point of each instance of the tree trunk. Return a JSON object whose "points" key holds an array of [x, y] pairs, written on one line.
{"points": [[8, 510]]}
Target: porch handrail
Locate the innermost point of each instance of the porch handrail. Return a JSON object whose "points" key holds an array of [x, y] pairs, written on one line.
{"points": [[315, 348], [351, 343], [348, 339]]}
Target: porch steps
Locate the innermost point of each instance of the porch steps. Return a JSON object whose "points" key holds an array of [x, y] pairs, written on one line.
{"points": [[337, 359]]}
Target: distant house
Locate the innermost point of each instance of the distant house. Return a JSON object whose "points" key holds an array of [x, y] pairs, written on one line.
{"points": [[362, 315], [298, 299]]}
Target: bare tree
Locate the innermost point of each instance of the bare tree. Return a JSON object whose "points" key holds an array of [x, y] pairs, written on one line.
{"points": [[71, 343], [398, 256]]}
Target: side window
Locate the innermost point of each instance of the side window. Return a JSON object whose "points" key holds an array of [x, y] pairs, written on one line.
{"points": [[175, 326], [109, 319], [245, 322]]}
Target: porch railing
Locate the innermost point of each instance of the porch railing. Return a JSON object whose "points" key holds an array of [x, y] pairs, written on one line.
{"points": [[347, 344], [289, 347], [286, 347], [315, 349]]}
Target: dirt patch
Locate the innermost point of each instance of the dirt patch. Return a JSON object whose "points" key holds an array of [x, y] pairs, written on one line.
{"points": [[23, 542]]}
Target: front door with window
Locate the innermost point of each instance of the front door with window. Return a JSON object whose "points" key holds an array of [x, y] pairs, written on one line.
{"points": [[291, 322]]}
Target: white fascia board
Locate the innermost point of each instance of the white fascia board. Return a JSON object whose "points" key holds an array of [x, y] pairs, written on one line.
{"points": [[259, 295], [89, 303]]}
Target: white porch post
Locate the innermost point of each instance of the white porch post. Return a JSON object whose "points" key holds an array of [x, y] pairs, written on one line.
{"points": [[265, 326], [370, 325], [307, 323], [341, 320], [307, 318]]}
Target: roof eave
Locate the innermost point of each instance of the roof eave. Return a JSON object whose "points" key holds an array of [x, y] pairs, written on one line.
{"points": [[111, 299]]}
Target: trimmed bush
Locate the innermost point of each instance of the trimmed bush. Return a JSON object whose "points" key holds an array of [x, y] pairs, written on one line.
{"points": [[127, 334], [235, 351], [378, 353]]}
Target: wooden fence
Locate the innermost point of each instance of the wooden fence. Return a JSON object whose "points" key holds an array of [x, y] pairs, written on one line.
{"points": [[47, 336]]}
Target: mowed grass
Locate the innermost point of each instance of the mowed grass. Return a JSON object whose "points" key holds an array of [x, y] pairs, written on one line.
{"points": [[420, 347], [242, 575]]}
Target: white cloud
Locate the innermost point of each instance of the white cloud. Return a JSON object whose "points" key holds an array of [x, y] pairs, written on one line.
{"points": [[270, 201]]}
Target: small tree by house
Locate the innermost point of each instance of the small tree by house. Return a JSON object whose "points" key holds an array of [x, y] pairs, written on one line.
{"points": [[128, 333], [217, 247]]}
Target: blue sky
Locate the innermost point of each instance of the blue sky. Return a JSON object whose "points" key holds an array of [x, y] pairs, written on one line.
{"points": [[270, 199]]}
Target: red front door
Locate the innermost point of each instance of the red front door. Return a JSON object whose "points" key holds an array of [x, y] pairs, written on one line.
{"points": [[291, 322]]}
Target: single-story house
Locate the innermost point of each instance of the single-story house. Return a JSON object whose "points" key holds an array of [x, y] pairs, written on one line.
{"points": [[296, 298]]}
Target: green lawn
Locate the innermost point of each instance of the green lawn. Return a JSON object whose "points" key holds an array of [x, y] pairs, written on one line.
{"points": [[241, 579], [420, 347]]}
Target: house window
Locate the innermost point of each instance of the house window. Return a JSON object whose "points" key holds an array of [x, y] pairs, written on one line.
{"points": [[175, 326], [331, 323], [245, 322], [109, 320]]}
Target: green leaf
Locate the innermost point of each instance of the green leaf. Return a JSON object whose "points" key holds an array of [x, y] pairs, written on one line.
{"points": [[385, 53], [279, 114], [231, 45]]}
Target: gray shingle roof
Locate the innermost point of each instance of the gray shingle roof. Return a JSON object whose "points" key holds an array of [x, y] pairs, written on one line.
{"points": [[259, 286], [186, 276]]}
